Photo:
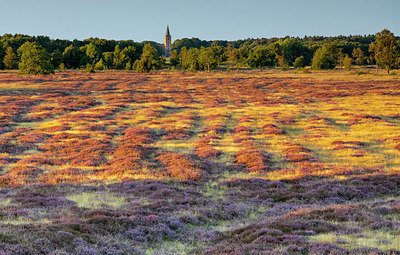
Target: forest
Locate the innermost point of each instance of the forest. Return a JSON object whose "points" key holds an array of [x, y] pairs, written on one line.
{"points": [[195, 54]]}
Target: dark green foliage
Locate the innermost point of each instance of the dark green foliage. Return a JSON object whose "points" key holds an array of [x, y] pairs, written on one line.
{"points": [[325, 57], [293, 48], [2, 54], [259, 57], [189, 43], [34, 59], [174, 59], [282, 52], [56, 58], [72, 57]]}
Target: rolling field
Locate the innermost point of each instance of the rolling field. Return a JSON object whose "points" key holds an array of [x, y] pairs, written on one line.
{"points": [[240, 162]]}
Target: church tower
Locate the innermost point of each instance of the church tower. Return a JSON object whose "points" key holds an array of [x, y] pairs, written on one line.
{"points": [[167, 43]]}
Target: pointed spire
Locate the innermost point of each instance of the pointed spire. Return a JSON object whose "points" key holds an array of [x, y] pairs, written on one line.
{"points": [[167, 33]]}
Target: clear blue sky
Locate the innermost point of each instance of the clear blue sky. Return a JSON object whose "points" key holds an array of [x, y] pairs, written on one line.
{"points": [[206, 19]]}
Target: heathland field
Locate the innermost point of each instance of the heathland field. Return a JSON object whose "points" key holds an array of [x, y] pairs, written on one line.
{"points": [[239, 162]]}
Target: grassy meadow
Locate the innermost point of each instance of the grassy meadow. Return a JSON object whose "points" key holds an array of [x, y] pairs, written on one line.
{"points": [[227, 162]]}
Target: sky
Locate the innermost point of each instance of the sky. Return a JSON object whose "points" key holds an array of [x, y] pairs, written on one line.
{"points": [[205, 19]]}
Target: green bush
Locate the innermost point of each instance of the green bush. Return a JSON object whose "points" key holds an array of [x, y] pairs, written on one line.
{"points": [[99, 65], [34, 59], [89, 68], [325, 57], [347, 63], [299, 62]]}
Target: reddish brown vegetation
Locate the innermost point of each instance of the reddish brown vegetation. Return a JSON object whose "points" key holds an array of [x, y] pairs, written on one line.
{"points": [[180, 167], [251, 157], [131, 156], [297, 153]]}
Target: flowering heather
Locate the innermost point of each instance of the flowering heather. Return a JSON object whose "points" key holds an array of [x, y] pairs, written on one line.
{"points": [[239, 162]]}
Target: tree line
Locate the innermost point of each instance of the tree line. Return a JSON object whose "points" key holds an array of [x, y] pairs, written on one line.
{"points": [[381, 49], [41, 55]]}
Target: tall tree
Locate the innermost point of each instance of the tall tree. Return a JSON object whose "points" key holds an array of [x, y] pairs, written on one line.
{"points": [[34, 59], [207, 59], [108, 60], [174, 59], [371, 50], [386, 50], [93, 53], [119, 58], [325, 57], [260, 57], [183, 58], [2, 54], [192, 59], [299, 62], [149, 60], [358, 56], [347, 62], [72, 57], [10, 59]]}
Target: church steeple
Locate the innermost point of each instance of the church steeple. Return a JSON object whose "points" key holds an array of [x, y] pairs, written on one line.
{"points": [[167, 43]]}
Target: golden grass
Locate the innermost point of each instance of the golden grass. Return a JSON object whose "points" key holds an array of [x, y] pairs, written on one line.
{"points": [[237, 98], [372, 239]]}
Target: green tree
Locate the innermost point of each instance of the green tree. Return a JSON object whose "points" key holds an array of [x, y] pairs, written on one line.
{"points": [[293, 48], [340, 57], [34, 59], [386, 50], [208, 60], [2, 55], [108, 60], [92, 53], [10, 59], [72, 57], [218, 52], [131, 55], [299, 62], [192, 59], [371, 57], [347, 62], [325, 57], [56, 58], [183, 58], [259, 57], [149, 60], [233, 54], [174, 59], [99, 65], [358, 56], [119, 61]]}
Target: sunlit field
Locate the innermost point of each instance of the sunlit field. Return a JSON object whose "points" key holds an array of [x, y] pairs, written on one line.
{"points": [[235, 162]]}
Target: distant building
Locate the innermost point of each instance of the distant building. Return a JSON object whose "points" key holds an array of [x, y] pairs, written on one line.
{"points": [[167, 43]]}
